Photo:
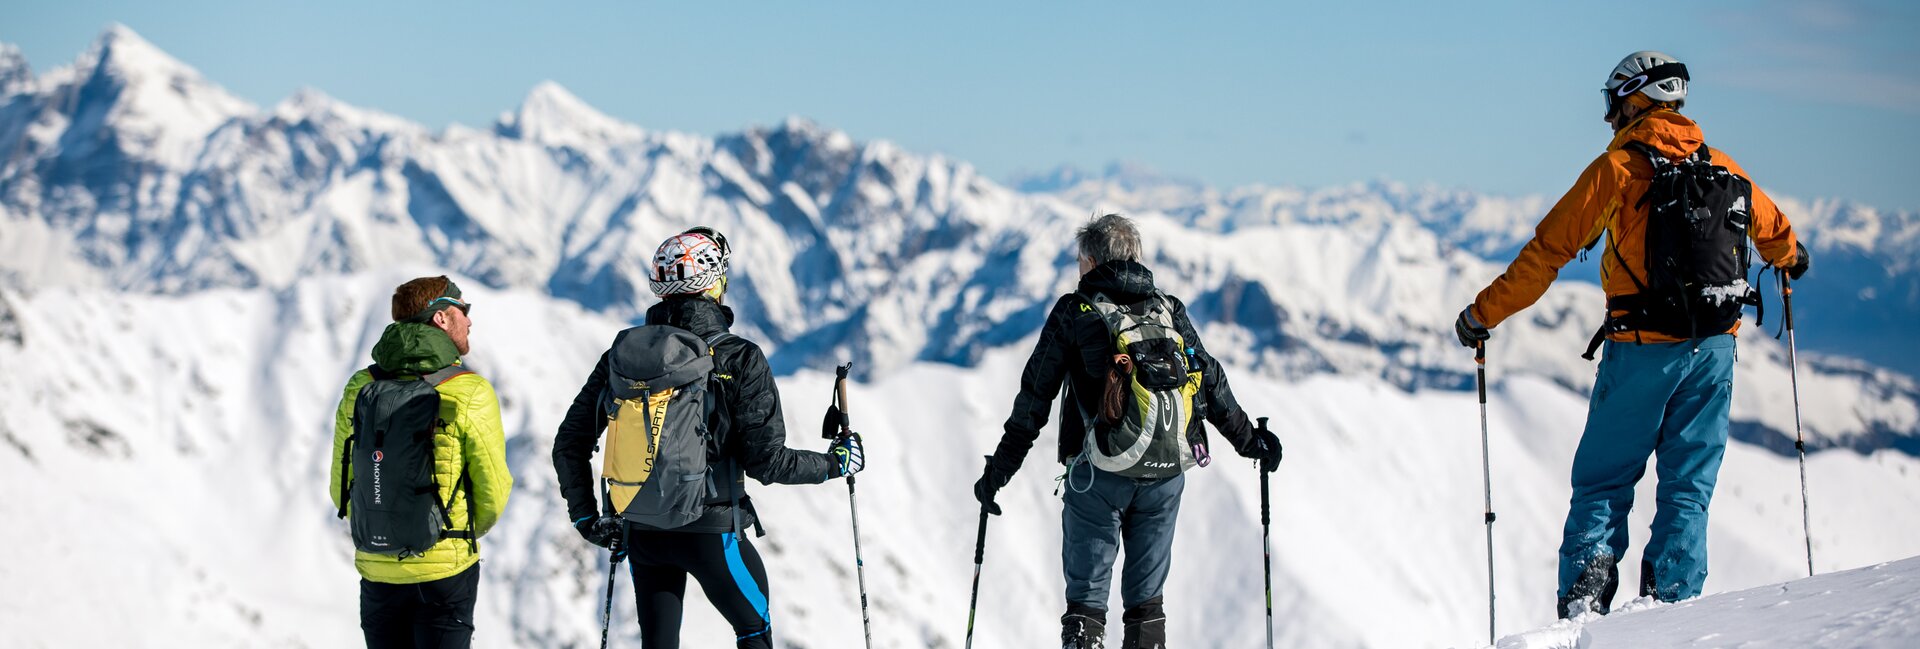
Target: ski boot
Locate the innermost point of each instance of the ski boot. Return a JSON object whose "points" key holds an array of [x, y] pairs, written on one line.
{"points": [[1593, 591], [1145, 626], [1083, 627]]}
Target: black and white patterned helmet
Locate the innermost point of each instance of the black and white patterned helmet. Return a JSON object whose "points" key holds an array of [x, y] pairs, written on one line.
{"points": [[690, 262]]}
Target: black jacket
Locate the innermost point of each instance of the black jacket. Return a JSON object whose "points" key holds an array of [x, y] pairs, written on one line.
{"points": [[1075, 347], [747, 422]]}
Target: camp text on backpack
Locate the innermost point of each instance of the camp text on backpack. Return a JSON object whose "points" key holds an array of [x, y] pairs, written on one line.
{"points": [[1145, 426]]}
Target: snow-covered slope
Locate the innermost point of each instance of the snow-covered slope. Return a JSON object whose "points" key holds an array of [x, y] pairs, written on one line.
{"points": [[1875, 606], [175, 487], [185, 281]]}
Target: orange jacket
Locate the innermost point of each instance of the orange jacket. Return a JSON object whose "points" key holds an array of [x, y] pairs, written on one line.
{"points": [[1603, 201]]}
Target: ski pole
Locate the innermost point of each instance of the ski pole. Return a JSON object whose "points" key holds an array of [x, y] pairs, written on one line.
{"points": [[1266, 537], [606, 612], [979, 559], [845, 430], [1799, 441], [1486, 473]]}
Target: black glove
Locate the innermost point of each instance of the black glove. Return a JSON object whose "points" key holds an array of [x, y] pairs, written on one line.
{"points": [[849, 457], [603, 531], [990, 483], [1265, 448], [1470, 331], [1801, 259]]}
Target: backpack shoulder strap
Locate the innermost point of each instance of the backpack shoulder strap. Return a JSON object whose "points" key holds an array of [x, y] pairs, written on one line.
{"points": [[444, 374], [718, 338], [1642, 148]]}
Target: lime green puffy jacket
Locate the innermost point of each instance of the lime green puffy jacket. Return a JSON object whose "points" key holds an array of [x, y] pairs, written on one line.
{"points": [[473, 441]]}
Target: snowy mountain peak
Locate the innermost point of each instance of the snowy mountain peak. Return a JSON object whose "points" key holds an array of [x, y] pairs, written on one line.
{"points": [[1120, 174], [312, 105], [551, 114], [122, 54], [827, 138], [15, 75], [126, 91]]}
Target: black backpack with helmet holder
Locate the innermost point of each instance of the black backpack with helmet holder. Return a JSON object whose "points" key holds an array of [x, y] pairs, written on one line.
{"points": [[1697, 252]]}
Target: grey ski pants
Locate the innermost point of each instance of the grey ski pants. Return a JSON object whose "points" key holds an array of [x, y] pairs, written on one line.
{"points": [[1112, 511]]}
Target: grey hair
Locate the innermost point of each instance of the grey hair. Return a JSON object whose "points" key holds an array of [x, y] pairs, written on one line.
{"points": [[1109, 237]]}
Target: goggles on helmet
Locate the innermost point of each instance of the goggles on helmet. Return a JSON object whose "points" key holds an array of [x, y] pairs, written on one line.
{"points": [[1617, 94]]}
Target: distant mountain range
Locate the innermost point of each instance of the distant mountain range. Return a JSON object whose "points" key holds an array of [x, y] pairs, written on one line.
{"points": [[127, 170]]}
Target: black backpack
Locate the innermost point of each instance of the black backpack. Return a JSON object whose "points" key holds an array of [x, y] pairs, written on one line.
{"points": [[1697, 253], [387, 466]]}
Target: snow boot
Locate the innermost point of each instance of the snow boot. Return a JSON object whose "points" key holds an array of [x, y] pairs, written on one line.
{"points": [[1083, 627], [1593, 591], [1145, 626]]}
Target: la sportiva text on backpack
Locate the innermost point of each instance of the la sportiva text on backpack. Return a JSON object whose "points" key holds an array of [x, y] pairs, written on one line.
{"points": [[387, 466], [1696, 252], [658, 404], [1144, 426]]}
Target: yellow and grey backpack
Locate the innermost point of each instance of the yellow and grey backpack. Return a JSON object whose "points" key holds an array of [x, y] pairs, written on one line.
{"points": [[658, 404], [1145, 421]]}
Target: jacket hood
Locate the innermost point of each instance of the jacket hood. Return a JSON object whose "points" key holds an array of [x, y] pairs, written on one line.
{"points": [[1122, 281], [414, 348], [1667, 131], [699, 315]]}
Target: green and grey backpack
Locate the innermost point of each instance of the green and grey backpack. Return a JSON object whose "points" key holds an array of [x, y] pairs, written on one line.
{"points": [[387, 465], [1146, 414]]}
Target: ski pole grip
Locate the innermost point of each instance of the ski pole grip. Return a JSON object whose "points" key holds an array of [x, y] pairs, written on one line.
{"points": [[980, 541], [840, 392]]}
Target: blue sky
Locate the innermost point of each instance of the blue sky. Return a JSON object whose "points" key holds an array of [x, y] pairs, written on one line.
{"points": [[1815, 99]]}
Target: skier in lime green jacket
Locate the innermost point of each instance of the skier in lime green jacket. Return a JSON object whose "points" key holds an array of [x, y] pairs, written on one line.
{"points": [[427, 600]]}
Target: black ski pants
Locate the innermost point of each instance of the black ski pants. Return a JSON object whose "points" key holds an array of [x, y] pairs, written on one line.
{"points": [[729, 571], [431, 615]]}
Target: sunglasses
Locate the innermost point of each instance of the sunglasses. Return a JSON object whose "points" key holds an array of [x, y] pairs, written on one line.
{"points": [[466, 308]]}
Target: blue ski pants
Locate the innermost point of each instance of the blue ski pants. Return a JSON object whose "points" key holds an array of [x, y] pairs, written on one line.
{"points": [[1669, 400], [1102, 513]]}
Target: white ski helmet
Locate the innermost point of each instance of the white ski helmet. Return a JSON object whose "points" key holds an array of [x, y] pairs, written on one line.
{"points": [[690, 262], [1659, 76]]}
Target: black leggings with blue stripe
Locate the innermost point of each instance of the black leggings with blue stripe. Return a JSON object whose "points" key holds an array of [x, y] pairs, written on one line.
{"points": [[731, 575]]}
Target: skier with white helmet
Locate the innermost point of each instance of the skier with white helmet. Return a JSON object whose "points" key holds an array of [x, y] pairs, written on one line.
{"points": [[743, 433], [1676, 217]]}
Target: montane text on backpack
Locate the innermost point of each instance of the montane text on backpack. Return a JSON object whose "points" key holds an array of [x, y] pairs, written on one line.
{"points": [[658, 405], [388, 466], [1694, 282], [1145, 426]]}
